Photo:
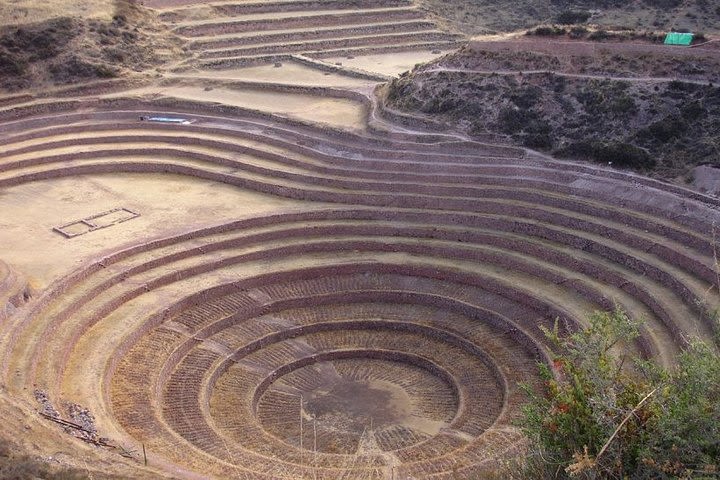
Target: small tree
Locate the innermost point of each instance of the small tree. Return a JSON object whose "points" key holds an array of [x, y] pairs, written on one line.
{"points": [[607, 414]]}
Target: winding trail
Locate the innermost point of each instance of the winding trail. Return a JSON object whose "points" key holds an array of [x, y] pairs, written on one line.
{"points": [[643, 79]]}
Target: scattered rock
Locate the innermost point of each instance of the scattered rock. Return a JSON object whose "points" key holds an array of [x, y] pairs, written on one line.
{"points": [[46, 406]]}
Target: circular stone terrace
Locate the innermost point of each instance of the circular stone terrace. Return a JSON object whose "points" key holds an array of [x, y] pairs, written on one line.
{"points": [[250, 269]]}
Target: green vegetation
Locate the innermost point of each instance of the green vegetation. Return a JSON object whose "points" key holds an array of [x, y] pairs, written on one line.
{"points": [[618, 154], [597, 35], [41, 41], [607, 415], [75, 69]]}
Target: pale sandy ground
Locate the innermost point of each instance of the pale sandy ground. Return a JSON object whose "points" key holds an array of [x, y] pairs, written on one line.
{"points": [[166, 203], [387, 63], [288, 74], [336, 112]]}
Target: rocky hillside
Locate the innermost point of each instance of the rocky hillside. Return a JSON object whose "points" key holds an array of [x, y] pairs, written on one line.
{"points": [[491, 16], [66, 50], [610, 104]]}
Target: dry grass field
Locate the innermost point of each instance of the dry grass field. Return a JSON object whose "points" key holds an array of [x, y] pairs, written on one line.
{"points": [[23, 12]]}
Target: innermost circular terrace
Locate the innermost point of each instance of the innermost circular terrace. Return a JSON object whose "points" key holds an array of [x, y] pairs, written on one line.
{"points": [[359, 403]]}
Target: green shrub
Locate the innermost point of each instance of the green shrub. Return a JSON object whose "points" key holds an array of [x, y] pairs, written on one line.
{"points": [[669, 128], [541, 141], [578, 32], [11, 65], [599, 35], [618, 154], [607, 416], [439, 105], [663, 3], [693, 111], [526, 97], [547, 31], [570, 17], [513, 120], [41, 41]]}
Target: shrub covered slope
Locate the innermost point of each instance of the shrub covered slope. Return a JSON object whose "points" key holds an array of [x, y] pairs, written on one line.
{"points": [[608, 416], [67, 50], [609, 109]]}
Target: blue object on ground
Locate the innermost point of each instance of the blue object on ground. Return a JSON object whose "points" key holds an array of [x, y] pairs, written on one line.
{"points": [[168, 120]]}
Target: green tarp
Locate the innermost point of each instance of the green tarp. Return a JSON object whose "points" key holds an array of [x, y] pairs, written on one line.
{"points": [[675, 38]]}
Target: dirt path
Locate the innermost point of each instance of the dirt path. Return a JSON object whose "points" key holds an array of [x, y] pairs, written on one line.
{"points": [[569, 75]]}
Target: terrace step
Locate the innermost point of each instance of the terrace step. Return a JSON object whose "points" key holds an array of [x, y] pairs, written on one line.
{"points": [[290, 316], [294, 20], [251, 38], [433, 272], [141, 281], [240, 61], [519, 194], [392, 39]]}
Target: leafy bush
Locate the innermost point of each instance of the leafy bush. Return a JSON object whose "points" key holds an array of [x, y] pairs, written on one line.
{"points": [[693, 111], [599, 35], [615, 416], [618, 154], [439, 105], [538, 140], [526, 97], [570, 17], [41, 41], [578, 32], [513, 120], [75, 69], [11, 65], [670, 127], [663, 3], [603, 97], [547, 31]]}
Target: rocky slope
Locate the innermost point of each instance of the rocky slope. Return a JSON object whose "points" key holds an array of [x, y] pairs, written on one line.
{"points": [[67, 50], [490, 16], [611, 103]]}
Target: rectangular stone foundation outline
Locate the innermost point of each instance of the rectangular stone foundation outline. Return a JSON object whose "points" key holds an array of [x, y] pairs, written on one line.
{"points": [[95, 222]]}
